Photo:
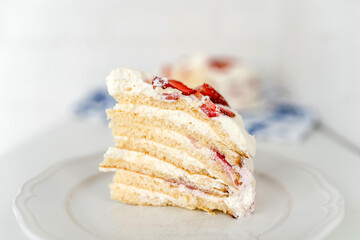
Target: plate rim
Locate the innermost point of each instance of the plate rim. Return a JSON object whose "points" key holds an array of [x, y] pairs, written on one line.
{"points": [[337, 202], [30, 184], [34, 231]]}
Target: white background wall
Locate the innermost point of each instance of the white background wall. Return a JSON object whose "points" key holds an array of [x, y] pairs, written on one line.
{"points": [[52, 52], [320, 61]]}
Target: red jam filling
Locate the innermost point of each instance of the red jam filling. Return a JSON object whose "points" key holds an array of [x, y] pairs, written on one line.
{"points": [[222, 158]]}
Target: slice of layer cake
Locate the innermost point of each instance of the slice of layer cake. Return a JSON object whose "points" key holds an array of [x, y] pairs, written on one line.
{"points": [[177, 146]]}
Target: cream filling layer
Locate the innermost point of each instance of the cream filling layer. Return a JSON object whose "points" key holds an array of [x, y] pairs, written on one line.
{"points": [[178, 137], [148, 196], [130, 81], [240, 203], [158, 165], [183, 119], [187, 161]]}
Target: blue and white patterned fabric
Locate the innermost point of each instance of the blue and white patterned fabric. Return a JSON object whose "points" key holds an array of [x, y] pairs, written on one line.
{"points": [[282, 122], [94, 104], [277, 120]]}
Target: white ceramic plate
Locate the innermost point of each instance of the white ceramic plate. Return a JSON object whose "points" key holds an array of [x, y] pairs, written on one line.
{"points": [[71, 201]]}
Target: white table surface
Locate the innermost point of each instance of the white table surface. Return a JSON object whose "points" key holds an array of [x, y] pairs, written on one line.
{"points": [[338, 162]]}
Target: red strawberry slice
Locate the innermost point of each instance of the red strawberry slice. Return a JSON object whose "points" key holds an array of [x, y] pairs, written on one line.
{"points": [[210, 109], [214, 95], [181, 87], [198, 95], [227, 112], [171, 96], [165, 83]]}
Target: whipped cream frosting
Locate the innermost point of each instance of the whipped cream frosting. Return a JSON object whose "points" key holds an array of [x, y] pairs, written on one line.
{"points": [[130, 81]]}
